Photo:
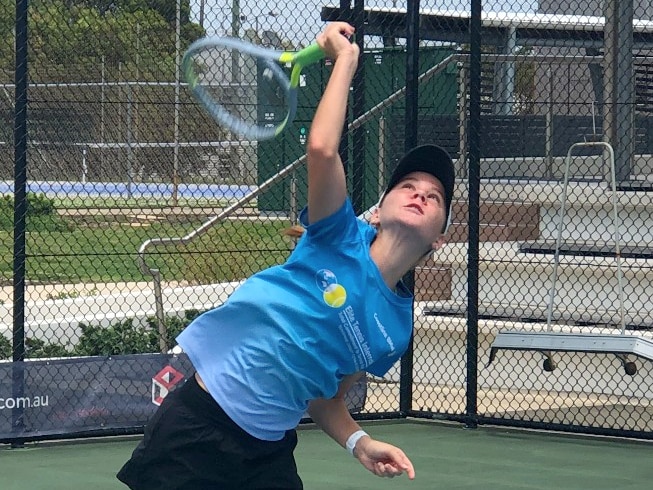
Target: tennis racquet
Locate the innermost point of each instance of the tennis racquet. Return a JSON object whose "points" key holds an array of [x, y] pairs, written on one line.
{"points": [[245, 87]]}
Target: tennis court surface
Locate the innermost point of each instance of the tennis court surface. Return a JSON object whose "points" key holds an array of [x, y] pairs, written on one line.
{"points": [[446, 456]]}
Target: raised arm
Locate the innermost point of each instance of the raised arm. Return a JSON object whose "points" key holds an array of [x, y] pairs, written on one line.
{"points": [[327, 188]]}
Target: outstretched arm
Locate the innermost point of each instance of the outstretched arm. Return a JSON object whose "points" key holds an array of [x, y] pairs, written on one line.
{"points": [[333, 418], [327, 188]]}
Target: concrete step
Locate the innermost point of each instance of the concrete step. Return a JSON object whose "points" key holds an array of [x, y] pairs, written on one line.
{"points": [[534, 316], [588, 209], [585, 164], [588, 232], [441, 341], [524, 369], [433, 283], [592, 249], [58, 320], [507, 276], [499, 222]]}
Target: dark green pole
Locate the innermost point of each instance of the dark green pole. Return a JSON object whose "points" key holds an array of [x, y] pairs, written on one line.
{"points": [[410, 140], [473, 143], [20, 214]]}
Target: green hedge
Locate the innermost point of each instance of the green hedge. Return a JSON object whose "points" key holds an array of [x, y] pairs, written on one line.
{"points": [[37, 204], [116, 339], [41, 215]]}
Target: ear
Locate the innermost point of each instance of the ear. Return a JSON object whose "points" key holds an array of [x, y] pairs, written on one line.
{"points": [[437, 245], [374, 217]]}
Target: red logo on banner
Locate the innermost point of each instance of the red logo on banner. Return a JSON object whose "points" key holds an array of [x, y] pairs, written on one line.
{"points": [[163, 382]]}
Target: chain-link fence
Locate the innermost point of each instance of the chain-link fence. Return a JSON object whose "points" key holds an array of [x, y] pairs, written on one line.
{"points": [[125, 211]]}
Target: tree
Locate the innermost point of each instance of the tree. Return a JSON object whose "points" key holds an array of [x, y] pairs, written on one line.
{"points": [[7, 22], [63, 33]]}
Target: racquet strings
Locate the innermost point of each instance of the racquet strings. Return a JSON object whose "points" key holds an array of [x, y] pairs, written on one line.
{"points": [[242, 91]]}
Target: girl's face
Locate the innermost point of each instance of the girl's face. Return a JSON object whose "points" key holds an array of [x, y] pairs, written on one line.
{"points": [[417, 202]]}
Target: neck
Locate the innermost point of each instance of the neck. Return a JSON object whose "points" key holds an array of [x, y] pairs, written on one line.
{"points": [[394, 258]]}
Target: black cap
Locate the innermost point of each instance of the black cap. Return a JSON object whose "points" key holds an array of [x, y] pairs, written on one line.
{"points": [[430, 159]]}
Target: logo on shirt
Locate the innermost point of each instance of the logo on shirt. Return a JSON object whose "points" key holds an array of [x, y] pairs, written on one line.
{"points": [[333, 293]]}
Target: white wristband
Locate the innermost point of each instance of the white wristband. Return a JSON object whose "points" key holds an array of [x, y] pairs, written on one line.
{"points": [[350, 445]]}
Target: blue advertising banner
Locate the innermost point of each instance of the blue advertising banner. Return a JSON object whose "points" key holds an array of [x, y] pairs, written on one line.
{"points": [[43, 398]]}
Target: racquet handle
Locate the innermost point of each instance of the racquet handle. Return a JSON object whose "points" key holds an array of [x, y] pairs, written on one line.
{"points": [[310, 54]]}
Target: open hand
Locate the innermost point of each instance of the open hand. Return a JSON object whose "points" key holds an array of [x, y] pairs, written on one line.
{"points": [[383, 459]]}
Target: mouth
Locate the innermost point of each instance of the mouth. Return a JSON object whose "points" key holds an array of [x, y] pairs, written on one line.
{"points": [[416, 207]]}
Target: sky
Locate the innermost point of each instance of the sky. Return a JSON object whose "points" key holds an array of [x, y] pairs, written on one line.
{"points": [[300, 20]]}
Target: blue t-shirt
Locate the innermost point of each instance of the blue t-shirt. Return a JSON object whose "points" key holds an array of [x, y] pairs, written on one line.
{"points": [[290, 333]]}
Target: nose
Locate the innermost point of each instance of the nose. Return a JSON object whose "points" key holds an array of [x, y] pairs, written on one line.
{"points": [[420, 195]]}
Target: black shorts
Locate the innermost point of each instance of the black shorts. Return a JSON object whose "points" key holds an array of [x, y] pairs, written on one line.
{"points": [[191, 444]]}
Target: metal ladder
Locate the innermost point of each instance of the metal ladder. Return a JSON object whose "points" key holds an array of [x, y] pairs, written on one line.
{"points": [[549, 341]]}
